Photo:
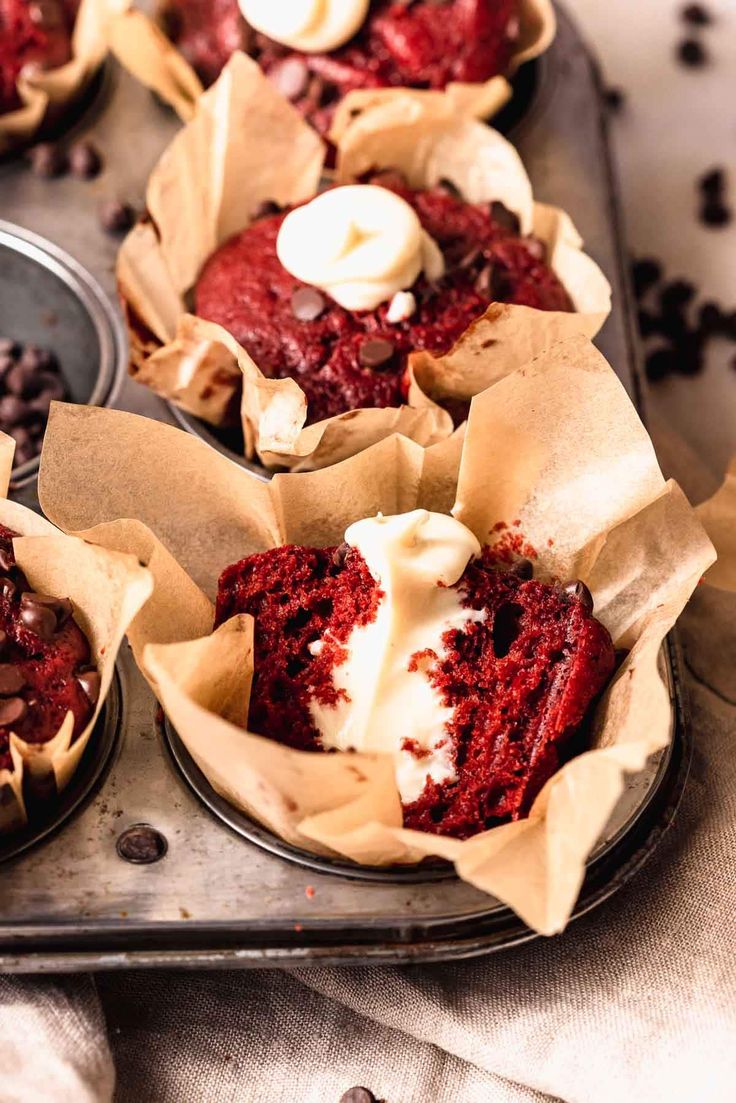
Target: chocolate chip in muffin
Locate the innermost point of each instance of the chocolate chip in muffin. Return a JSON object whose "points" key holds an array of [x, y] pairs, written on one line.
{"points": [[307, 303], [358, 1095], [376, 353], [291, 77], [504, 217]]}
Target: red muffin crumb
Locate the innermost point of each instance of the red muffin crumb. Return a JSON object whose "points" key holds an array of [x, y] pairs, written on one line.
{"points": [[420, 45], [245, 289], [32, 32], [521, 682], [46, 672]]}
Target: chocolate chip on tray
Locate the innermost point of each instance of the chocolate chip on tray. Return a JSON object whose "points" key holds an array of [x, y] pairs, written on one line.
{"points": [[615, 99], [85, 160], [48, 159], [116, 217]]}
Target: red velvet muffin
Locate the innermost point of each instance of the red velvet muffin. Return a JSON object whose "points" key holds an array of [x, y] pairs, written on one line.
{"points": [[518, 679], [32, 32], [347, 360], [420, 45], [45, 668]]}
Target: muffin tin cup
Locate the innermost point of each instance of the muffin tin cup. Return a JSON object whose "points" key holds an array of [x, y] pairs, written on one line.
{"points": [[67, 312], [46, 815]]}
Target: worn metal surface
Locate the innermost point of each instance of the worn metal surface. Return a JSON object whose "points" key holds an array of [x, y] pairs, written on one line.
{"points": [[217, 898]]}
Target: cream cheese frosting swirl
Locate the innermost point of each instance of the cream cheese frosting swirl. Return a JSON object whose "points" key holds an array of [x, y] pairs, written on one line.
{"points": [[386, 696], [311, 26], [360, 243]]}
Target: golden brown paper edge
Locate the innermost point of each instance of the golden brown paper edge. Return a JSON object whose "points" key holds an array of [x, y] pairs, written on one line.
{"points": [[198, 367]]}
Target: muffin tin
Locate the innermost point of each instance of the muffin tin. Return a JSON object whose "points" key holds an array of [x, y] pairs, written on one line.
{"points": [[151, 867]]}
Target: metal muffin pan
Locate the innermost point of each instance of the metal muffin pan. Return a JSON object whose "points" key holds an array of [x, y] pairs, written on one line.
{"points": [[227, 893]]}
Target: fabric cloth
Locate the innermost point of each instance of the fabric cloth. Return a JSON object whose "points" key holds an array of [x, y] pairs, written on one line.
{"points": [[634, 1003]]}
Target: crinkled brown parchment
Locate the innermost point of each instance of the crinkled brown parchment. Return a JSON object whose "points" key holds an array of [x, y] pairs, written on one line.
{"points": [[246, 144], [581, 478]]}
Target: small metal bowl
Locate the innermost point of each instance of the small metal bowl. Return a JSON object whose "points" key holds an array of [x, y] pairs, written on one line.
{"points": [[48, 298]]}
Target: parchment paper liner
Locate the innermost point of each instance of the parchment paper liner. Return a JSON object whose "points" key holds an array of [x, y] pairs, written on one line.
{"points": [[142, 47], [46, 93], [246, 144], [108, 589], [581, 478]]}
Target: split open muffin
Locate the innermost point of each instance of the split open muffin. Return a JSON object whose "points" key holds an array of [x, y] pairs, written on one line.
{"points": [[317, 53], [411, 639]]}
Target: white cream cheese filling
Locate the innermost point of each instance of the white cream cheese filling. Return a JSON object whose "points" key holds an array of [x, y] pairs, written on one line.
{"points": [[311, 26], [414, 557], [360, 243]]}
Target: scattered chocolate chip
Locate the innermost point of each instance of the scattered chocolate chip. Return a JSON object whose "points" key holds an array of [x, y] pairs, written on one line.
{"points": [[37, 617], [358, 1095], [692, 53], [675, 295], [340, 554], [85, 160], [580, 592], [141, 844], [376, 353], [116, 217], [696, 15], [11, 679], [48, 160], [9, 347], [644, 274], [291, 77], [523, 569], [89, 681], [614, 99], [12, 711], [711, 319], [648, 323], [660, 363], [715, 213], [713, 182], [307, 303], [504, 217]]}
